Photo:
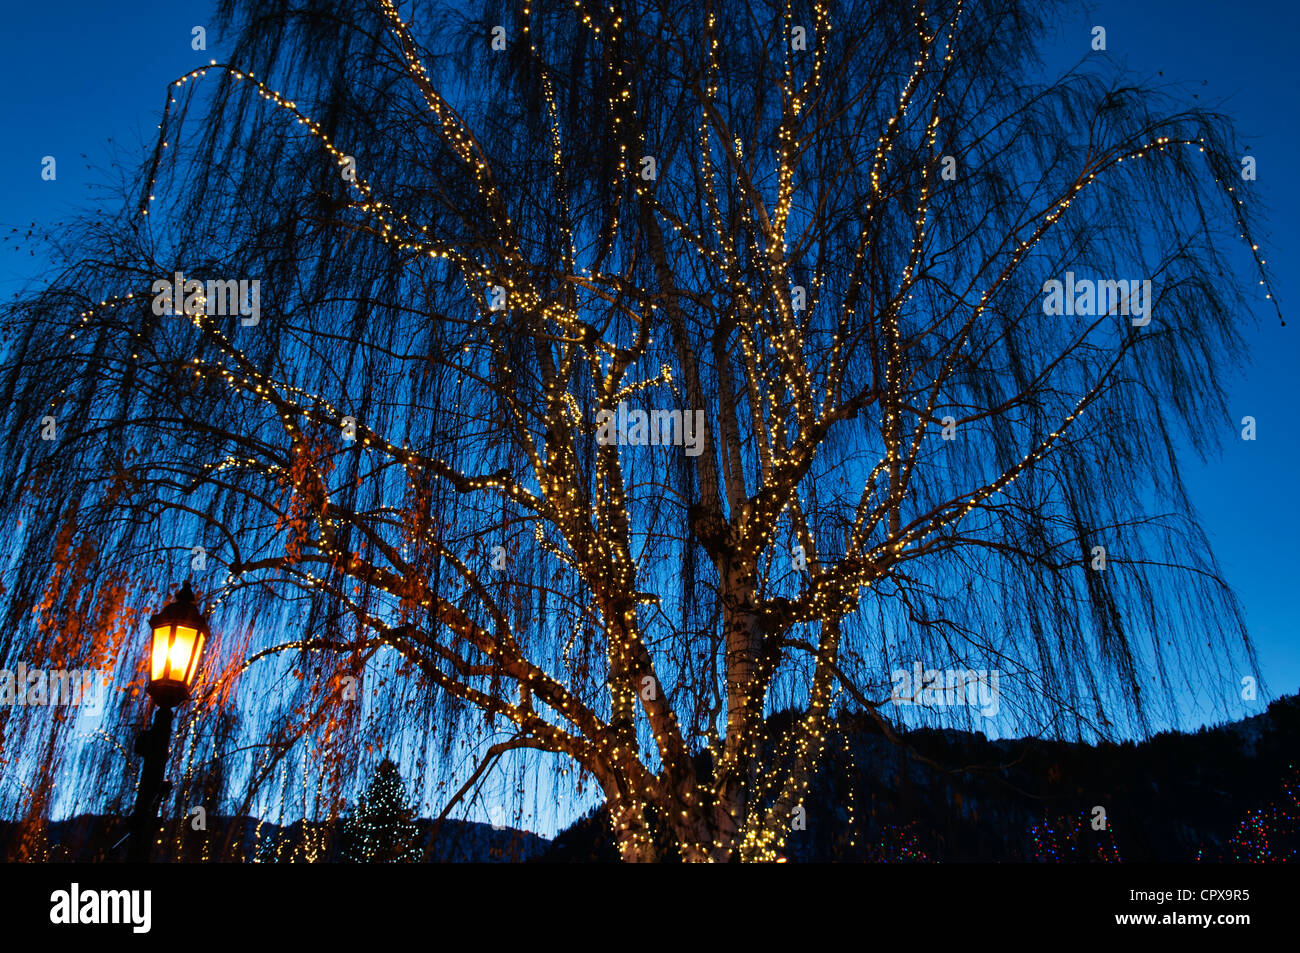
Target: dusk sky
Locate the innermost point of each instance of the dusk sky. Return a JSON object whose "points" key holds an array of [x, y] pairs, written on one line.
{"points": [[95, 101]]}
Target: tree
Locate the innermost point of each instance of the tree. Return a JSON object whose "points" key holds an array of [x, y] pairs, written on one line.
{"points": [[630, 371], [897, 844], [1268, 835], [1072, 838], [382, 829]]}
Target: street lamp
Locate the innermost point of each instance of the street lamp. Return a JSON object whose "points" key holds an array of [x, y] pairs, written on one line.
{"points": [[179, 634]]}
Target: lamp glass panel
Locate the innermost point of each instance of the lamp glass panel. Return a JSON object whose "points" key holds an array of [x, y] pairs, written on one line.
{"points": [[182, 648], [194, 661], [161, 638]]}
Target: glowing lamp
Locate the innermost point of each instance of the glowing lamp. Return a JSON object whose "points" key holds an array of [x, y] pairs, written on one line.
{"points": [[179, 632]]}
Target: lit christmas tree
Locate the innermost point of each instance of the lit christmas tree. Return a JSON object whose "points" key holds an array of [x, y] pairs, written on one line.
{"points": [[1070, 839], [898, 845], [1268, 835], [382, 829]]}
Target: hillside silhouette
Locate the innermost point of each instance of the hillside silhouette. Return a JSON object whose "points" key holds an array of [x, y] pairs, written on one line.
{"points": [[1223, 793], [957, 796]]}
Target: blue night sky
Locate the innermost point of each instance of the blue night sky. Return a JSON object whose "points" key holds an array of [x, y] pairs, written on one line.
{"points": [[85, 81]]}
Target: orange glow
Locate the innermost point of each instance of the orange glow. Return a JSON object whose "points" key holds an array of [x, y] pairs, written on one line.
{"points": [[194, 661], [161, 637], [182, 648], [175, 653]]}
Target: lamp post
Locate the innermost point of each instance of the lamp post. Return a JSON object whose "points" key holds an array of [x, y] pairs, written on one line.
{"points": [[179, 632]]}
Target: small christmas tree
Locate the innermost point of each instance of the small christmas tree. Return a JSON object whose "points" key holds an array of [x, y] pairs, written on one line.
{"points": [[382, 829], [1269, 835], [1070, 839], [898, 845]]}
